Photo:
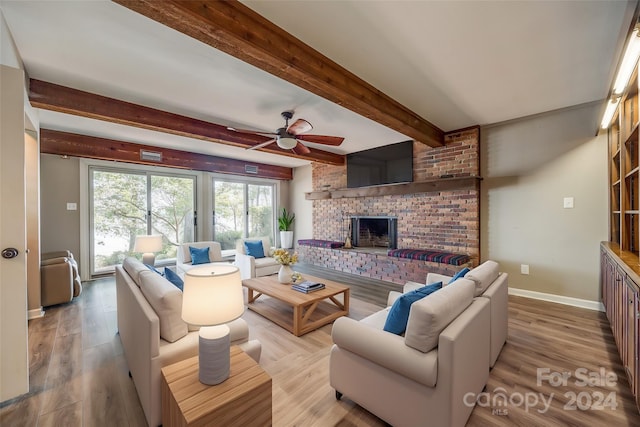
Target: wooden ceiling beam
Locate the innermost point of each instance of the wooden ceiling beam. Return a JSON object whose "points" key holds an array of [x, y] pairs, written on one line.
{"points": [[76, 145], [63, 99], [236, 29]]}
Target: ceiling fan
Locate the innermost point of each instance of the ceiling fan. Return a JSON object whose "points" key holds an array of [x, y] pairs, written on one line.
{"points": [[291, 137]]}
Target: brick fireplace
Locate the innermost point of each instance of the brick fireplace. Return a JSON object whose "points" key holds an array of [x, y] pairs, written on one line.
{"points": [[446, 220]]}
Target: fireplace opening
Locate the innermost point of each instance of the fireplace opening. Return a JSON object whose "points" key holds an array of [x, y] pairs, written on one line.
{"points": [[374, 232]]}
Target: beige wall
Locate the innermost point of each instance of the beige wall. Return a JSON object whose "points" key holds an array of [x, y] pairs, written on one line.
{"points": [[303, 227], [32, 182], [59, 185], [528, 167]]}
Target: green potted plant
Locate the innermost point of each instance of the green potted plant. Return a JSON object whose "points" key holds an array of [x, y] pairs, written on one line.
{"points": [[285, 221]]}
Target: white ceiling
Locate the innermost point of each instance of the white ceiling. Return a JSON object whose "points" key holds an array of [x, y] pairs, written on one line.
{"points": [[455, 63]]}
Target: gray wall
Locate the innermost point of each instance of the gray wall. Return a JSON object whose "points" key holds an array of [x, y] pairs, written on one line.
{"points": [[59, 185], [529, 166]]}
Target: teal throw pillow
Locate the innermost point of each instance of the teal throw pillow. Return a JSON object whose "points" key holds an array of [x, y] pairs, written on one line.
{"points": [[458, 275], [254, 248], [199, 255], [173, 278], [398, 316]]}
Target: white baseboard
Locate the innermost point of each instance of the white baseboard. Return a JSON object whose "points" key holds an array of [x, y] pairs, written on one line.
{"points": [[576, 302], [35, 313]]}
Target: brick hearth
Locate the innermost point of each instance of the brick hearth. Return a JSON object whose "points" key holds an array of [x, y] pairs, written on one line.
{"points": [[442, 220]]}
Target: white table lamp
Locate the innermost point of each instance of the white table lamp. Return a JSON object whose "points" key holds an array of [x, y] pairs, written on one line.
{"points": [[212, 296], [148, 245]]}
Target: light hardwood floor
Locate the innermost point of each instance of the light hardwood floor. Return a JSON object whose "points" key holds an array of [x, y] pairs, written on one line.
{"points": [[79, 377]]}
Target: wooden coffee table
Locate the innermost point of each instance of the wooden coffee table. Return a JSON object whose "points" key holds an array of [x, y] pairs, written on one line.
{"points": [[295, 311]]}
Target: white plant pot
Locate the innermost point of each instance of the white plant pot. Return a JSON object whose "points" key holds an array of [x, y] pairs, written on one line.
{"points": [[286, 239]]}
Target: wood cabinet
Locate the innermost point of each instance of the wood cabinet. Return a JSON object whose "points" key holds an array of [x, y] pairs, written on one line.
{"points": [[620, 277]]}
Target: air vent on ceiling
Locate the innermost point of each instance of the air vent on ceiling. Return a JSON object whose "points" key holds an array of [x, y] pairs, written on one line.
{"points": [[150, 156], [251, 169]]}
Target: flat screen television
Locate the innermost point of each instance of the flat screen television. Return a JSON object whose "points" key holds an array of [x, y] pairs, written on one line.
{"points": [[389, 164]]}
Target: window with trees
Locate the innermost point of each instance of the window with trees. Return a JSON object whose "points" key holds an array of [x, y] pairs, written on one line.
{"points": [[242, 209], [125, 204]]}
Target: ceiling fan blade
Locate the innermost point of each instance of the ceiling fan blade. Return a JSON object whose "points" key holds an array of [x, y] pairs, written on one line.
{"points": [[321, 139], [251, 132], [299, 126], [300, 148], [263, 144]]}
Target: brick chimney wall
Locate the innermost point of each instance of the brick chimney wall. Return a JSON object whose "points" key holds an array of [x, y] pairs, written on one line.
{"points": [[447, 220]]}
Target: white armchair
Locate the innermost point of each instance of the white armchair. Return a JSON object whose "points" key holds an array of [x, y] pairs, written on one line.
{"points": [[423, 377], [255, 267], [183, 257]]}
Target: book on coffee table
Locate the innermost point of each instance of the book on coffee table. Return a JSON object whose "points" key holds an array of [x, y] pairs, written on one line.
{"points": [[308, 286]]}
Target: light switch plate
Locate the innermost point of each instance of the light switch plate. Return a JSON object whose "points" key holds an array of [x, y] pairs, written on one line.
{"points": [[72, 206], [568, 202]]}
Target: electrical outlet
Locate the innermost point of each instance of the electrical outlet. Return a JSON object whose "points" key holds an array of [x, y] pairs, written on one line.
{"points": [[72, 206], [524, 268], [568, 202]]}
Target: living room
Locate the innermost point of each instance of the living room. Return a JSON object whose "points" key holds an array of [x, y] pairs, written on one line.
{"points": [[528, 166]]}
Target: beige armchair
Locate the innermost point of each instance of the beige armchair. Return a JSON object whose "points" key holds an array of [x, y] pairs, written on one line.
{"points": [[184, 262], [250, 266], [59, 278], [428, 377]]}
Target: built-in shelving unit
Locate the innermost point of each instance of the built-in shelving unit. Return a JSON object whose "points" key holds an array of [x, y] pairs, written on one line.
{"points": [[620, 261], [440, 184], [624, 172]]}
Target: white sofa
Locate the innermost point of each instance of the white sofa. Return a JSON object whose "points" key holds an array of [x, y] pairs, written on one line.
{"points": [[255, 267], [183, 255], [491, 284], [153, 334], [423, 377]]}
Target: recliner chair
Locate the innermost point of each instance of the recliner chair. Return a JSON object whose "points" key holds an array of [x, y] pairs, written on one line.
{"points": [[59, 278]]}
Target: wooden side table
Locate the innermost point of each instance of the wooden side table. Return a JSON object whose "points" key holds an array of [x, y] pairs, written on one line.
{"points": [[243, 399]]}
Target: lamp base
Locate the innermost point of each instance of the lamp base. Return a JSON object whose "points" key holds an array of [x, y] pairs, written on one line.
{"points": [[149, 258], [213, 354]]}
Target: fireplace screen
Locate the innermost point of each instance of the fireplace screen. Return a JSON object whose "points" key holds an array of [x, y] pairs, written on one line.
{"points": [[374, 231]]}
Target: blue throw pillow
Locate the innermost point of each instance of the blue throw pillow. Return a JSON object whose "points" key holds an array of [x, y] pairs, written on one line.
{"points": [[458, 275], [199, 255], [152, 268], [173, 278], [254, 248], [398, 316]]}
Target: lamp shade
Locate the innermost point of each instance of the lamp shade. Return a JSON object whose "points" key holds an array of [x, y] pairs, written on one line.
{"points": [[152, 243], [212, 295]]}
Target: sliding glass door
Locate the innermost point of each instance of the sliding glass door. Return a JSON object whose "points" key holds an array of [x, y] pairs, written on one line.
{"points": [[125, 204], [242, 210]]}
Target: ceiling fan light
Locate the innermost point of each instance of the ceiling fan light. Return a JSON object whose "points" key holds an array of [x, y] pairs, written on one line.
{"points": [[286, 143]]}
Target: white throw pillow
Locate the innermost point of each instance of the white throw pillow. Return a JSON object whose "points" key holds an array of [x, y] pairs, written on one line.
{"points": [[429, 316], [166, 301]]}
